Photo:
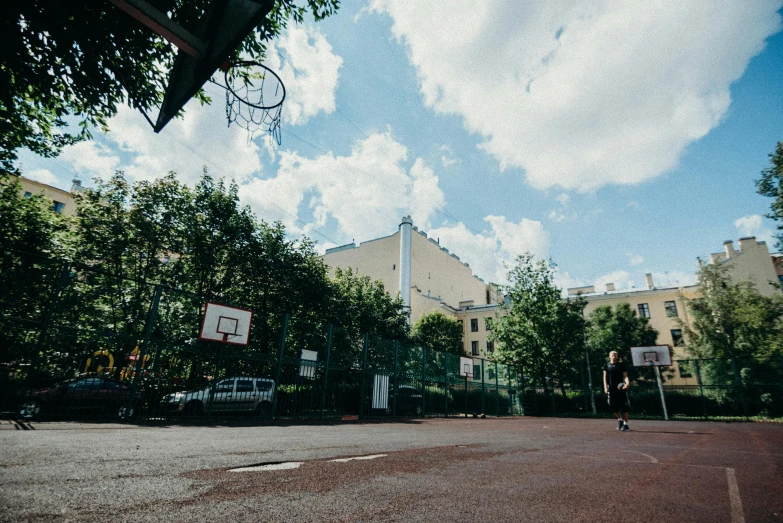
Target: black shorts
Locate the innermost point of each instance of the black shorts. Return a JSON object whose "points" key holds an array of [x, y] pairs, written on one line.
{"points": [[618, 401]]}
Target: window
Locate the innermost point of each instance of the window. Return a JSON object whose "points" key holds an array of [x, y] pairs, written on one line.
{"points": [[671, 308], [27, 194], [490, 346], [676, 337], [394, 267], [225, 386], [474, 348], [244, 385], [685, 369], [491, 374], [474, 325], [58, 207], [476, 372], [644, 310], [488, 323], [263, 385]]}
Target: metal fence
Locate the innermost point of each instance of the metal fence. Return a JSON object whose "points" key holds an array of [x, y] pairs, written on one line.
{"points": [[80, 344], [732, 388]]}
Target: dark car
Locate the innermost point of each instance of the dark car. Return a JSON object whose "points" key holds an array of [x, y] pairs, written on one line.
{"points": [[85, 396], [408, 399]]}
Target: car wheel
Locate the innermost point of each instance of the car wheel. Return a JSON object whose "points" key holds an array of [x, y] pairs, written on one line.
{"points": [[126, 412], [194, 408], [264, 409], [30, 409]]}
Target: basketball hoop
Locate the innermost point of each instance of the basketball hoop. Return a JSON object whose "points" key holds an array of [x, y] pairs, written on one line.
{"points": [[254, 97]]}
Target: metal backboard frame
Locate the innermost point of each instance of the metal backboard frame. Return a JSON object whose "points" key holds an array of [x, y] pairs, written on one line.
{"points": [[652, 356]]}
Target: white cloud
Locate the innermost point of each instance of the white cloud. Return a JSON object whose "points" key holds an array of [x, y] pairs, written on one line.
{"points": [[674, 279], [621, 280], [91, 159], [363, 193], [448, 157], [584, 94], [557, 216], [43, 176], [489, 253], [752, 225], [310, 72], [563, 198], [634, 259]]}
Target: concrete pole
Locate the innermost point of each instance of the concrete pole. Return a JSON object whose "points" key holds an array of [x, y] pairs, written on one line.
{"points": [[405, 263]]}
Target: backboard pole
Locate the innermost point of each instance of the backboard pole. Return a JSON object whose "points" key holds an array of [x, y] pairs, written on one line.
{"points": [[660, 389]]}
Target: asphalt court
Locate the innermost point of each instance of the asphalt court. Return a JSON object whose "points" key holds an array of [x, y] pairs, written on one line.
{"points": [[522, 469]]}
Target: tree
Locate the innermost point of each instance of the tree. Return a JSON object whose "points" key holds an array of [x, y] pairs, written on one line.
{"points": [[616, 329], [732, 320], [540, 332], [771, 184], [439, 333], [35, 242], [66, 60]]}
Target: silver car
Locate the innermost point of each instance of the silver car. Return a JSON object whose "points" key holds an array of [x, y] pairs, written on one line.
{"points": [[238, 394]]}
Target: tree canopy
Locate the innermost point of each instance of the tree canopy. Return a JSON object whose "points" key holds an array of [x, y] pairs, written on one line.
{"points": [[733, 320], [438, 332], [771, 184], [75, 62], [541, 332]]}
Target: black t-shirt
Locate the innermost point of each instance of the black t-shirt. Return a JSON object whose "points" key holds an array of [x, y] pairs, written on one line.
{"points": [[614, 374]]}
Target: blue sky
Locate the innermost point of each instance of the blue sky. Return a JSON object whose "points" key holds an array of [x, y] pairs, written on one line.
{"points": [[617, 139]]}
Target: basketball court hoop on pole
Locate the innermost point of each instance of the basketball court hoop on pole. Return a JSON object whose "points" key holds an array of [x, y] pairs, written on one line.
{"points": [[466, 370], [654, 356], [226, 324]]}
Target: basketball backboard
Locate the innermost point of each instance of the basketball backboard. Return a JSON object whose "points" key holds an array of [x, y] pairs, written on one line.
{"points": [[202, 49], [658, 356], [466, 367], [226, 324]]}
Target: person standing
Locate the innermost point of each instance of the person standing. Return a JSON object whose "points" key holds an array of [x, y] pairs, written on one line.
{"points": [[616, 386]]}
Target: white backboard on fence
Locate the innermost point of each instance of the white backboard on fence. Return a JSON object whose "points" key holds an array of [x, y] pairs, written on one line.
{"points": [[307, 363], [466, 367], [654, 356], [226, 324]]}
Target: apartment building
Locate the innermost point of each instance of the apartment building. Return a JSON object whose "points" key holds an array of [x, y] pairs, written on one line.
{"points": [[63, 202]]}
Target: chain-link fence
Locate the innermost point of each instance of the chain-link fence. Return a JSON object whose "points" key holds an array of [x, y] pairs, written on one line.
{"points": [[81, 343]]}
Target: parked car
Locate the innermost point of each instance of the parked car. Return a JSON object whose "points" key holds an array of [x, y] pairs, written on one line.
{"points": [[83, 396], [228, 395], [409, 402]]}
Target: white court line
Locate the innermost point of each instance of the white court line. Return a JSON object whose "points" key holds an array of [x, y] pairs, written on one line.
{"points": [[737, 515], [701, 449], [274, 466], [356, 458], [652, 459]]}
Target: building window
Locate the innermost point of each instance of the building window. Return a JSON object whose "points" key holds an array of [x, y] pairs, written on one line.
{"points": [[490, 346], [474, 325], [671, 308], [685, 369], [58, 207], [474, 348], [27, 194], [476, 372], [644, 310], [394, 267], [488, 323], [676, 337], [491, 374]]}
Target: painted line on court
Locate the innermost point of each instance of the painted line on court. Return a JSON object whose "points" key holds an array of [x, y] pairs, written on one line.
{"points": [[703, 449], [357, 458], [652, 459], [737, 515], [289, 465]]}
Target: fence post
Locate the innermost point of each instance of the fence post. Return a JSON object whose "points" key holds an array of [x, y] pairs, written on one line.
{"points": [[446, 357], [483, 404], [326, 369], [497, 391], [364, 374], [279, 370], [740, 387], [423, 381], [151, 318], [396, 372], [701, 388]]}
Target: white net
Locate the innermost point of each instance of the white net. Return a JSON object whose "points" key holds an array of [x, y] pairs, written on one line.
{"points": [[254, 98]]}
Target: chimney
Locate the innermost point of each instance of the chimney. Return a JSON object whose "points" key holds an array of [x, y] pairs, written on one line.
{"points": [[609, 287], [406, 227], [650, 284], [77, 185], [728, 245], [745, 244]]}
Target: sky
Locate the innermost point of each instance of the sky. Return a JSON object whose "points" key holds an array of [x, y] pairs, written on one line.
{"points": [[614, 138]]}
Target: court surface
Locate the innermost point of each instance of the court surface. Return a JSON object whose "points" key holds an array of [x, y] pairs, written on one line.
{"points": [[520, 469]]}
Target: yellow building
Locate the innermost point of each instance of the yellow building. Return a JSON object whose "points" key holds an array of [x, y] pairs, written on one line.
{"points": [[428, 278], [62, 201]]}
